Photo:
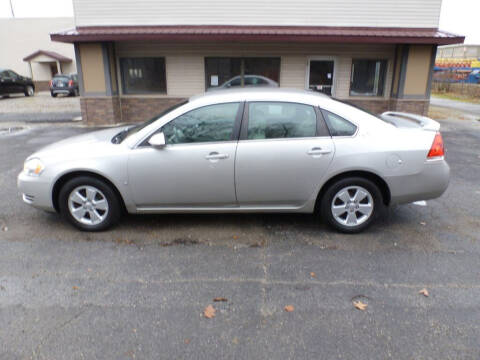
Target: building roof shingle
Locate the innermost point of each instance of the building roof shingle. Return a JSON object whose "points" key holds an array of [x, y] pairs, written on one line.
{"points": [[51, 54], [259, 34]]}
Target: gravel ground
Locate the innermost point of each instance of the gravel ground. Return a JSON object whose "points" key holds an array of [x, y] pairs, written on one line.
{"points": [[139, 290], [39, 108]]}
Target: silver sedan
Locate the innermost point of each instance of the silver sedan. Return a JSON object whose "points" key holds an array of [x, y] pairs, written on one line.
{"points": [[265, 150]]}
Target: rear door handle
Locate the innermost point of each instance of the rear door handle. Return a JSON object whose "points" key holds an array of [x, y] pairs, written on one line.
{"points": [[318, 151], [216, 156]]}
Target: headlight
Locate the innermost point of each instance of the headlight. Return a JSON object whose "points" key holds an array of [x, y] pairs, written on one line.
{"points": [[33, 167]]}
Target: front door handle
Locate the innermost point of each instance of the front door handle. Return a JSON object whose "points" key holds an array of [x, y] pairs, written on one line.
{"points": [[318, 151], [216, 156]]}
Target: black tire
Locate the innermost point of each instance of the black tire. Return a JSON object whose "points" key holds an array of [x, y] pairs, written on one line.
{"points": [[29, 90], [328, 197], [113, 214], [53, 94]]}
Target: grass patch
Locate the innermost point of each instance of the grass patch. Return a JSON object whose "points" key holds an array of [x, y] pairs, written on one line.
{"points": [[441, 113], [457, 97]]}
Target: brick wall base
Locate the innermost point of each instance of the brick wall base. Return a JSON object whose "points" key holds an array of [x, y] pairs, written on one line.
{"points": [[404, 105], [41, 85], [412, 106], [113, 110], [101, 110], [138, 109]]}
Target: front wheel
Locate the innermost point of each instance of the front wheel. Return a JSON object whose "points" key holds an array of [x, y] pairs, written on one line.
{"points": [[350, 205], [89, 204], [29, 91]]}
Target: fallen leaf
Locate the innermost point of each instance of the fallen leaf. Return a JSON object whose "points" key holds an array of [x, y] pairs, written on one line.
{"points": [[220, 299], [289, 308], [312, 274], [360, 305], [75, 287], [186, 341], [423, 223], [209, 312], [424, 292], [235, 237]]}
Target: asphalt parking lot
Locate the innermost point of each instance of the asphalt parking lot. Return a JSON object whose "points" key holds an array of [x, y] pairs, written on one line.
{"points": [[139, 290]]}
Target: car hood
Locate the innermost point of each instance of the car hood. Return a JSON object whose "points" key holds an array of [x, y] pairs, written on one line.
{"points": [[80, 145]]}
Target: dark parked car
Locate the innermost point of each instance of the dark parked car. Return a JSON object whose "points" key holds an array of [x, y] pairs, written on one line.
{"points": [[12, 83], [64, 84]]}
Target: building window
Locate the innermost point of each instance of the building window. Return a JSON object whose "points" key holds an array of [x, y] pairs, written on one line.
{"points": [[368, 77], [223, 72], [143, 75]]}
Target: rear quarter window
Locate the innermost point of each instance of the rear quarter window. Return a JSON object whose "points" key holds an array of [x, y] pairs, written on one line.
{"points": [[337, 125]]}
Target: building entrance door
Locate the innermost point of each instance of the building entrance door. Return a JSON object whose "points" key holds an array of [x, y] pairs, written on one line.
{"points": [[321, 75]]}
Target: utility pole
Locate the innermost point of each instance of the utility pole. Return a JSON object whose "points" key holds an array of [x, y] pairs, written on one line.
{"points": [[11, 8]]}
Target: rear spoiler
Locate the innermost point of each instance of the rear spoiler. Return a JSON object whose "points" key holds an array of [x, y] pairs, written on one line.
{"points": [[407, 120]]}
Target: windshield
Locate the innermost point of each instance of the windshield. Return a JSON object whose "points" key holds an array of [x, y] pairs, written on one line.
{"points": [[133, 129]]}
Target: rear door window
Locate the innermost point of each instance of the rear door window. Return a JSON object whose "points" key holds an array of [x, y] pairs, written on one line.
{"points": [[273, 120], [337, 125]]}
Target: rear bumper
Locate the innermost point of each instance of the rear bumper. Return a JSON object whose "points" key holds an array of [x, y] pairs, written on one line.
{"points": [[430, 183], [35, 191], [62, 90]]}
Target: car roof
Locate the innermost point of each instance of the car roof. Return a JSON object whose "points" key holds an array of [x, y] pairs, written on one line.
{"points": [[260, 94]]}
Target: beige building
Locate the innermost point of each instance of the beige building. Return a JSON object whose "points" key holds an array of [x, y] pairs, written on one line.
{"points": [[137, 58], [459, 51], [28, 50]]}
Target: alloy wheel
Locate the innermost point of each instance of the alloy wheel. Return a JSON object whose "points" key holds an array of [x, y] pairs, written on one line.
{"points": [[88, 205], [352, 206]]}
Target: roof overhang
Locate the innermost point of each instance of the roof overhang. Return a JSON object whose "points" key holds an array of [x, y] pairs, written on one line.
{"points": [[54, 56], [309, 34]]}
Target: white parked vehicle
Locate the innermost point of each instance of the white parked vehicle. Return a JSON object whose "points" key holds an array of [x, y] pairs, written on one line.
{"points": [[250, 150]]}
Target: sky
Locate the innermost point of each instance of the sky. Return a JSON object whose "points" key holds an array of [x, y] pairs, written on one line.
{"points": [[457, 16]]}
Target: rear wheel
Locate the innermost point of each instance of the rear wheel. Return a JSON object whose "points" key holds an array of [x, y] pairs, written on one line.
{"points": [[29, 91], [351, 204], [89, 204]]}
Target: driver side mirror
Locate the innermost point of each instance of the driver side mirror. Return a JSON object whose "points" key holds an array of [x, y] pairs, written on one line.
{"points": [[158, 140]]}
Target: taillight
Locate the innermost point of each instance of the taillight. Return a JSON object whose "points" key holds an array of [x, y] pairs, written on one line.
{"points": [[50, 83], [437, 149], [70, 83]]}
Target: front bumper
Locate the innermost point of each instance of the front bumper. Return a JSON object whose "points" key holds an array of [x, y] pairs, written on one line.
{"points": [[36, 191], [430, 183]]}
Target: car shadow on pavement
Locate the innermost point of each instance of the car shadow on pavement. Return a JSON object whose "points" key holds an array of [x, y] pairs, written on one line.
{"points": [[397, 227]]}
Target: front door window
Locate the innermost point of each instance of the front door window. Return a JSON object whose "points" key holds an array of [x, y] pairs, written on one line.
{"points": [[212, 123], [321, 76]]}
